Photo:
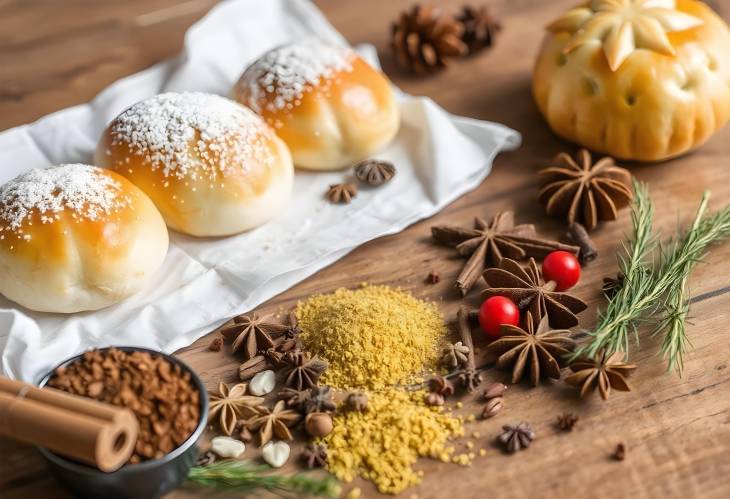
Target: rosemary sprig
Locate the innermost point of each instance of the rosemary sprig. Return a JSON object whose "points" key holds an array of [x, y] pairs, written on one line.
{"points": [[245, 476], [649, 291], [618, 320]]}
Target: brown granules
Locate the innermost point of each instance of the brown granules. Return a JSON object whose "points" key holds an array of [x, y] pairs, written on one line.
{"points": [[160, 394], [372, 337], [382, 443]]}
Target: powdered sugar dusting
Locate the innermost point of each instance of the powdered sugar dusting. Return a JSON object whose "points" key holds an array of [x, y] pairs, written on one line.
{"points": [[84, 190], [174, 131], [289, 71]]}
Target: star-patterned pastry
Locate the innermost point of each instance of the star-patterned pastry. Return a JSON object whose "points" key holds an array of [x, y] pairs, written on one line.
{"points": [[623, 26]]}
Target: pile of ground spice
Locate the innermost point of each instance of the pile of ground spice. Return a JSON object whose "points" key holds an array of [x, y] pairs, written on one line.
{"points": [[372, 337], [382, 443]]}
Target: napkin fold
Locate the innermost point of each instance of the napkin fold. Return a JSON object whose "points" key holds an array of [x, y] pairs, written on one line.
{"points": [[204, 282]]}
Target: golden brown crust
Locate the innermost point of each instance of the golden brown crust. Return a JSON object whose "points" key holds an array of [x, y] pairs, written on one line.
{"points": [[653, 106]]}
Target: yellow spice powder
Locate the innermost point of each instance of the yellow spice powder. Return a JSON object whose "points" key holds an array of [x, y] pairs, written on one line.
{"points": [[384, 442], [371, 337]]}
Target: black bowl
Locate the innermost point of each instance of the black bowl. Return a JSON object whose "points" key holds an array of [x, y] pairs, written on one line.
{"points": [[149, 479]]}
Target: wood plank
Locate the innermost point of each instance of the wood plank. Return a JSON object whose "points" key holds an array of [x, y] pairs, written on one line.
{"points": [[676, 429]]}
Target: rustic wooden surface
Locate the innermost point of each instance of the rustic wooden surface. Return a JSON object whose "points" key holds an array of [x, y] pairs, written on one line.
{"points": [[55, 54]]}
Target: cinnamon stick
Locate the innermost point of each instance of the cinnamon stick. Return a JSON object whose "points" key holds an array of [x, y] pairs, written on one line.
{"points": [[88, 431]]}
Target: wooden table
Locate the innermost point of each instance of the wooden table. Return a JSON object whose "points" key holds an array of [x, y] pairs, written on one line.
{"points": [[54, 54]]}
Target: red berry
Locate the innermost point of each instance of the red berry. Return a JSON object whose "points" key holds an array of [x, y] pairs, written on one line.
{"points": [[496, 311], [561, 267]]}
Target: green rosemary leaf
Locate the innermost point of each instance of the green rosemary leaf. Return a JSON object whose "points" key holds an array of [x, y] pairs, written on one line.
{"points": [[245, 476]]}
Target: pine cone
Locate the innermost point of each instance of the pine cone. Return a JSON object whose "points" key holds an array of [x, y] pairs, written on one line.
{"points": [[480, 27], [425, 39]]}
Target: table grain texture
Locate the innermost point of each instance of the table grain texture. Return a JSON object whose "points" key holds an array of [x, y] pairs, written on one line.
{"points": [[57, 53]]}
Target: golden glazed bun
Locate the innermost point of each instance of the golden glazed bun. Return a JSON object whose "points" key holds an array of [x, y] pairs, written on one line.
{"points": [[76, 237], [211, 166], [637, 79], [329, 106]]}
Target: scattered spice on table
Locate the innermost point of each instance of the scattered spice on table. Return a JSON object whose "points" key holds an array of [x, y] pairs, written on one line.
{"points": [[605, 373], [433, 277], [492, 407], [488, 243], [619, 453], [216, 344], [229, 404], [578, 235], [454, 355], [537, 350], [480, 27], [567, 421], [584, 191], [382, 443], [425, 39], [371, 337], [525, 287], [357, 401], [314, 455], [301, 370], [161, 395], [274, 422], [251, 334], [439, 388], [515, 438]]}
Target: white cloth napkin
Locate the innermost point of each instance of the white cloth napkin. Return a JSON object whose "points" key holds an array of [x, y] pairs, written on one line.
{"points": [[205, 281]]}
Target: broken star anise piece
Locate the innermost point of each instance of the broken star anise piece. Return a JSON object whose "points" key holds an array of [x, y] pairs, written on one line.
{"points": [[567, 421], [374, 171], [314, 455], [488, 243], [231, 404], [525, 287], [539, 350], [319, 400], [455, 354], [301, 370], [342, 193], [583, 191], [610, 372], [251, 334], [274, 422], [516, 437]]}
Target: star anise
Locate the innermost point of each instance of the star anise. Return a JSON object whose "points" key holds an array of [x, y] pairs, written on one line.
{"points": [[567, 421], [480, 27], [301, 370], [251, 334], [230, 404], [469, 379], [342, 193], [583, 191], [314, 455], [425, 39], [539, 350], [516, 438], [487, 244], [455, 354], [374, 171], [274, 422], [525, 287], [604, 374], [319, 400]]}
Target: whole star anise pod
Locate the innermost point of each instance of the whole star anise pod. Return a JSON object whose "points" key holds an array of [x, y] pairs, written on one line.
{"points": [[320, 400], [480, 27], [230, 404], [583, 191], [374, 171], [342, 193], [425, 39], [525, 287], [251, 334], [488, 243], [274, 422], [605, 373], [539, 350], [455, 354], [314, 455], [301, 370], [469, 378], [516, 437]]}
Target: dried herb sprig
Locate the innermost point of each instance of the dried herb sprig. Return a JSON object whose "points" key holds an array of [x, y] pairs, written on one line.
{"points": [[245, 476], [647, 292]]}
